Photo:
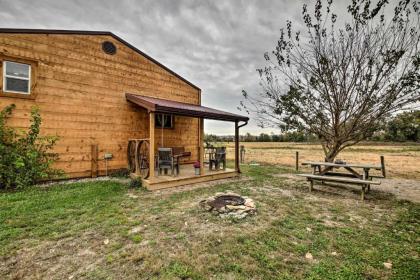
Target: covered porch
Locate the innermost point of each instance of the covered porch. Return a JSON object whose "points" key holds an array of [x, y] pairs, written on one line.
{"points": [[145, 150]]}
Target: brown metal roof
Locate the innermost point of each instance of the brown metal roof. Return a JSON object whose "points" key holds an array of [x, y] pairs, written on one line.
{"points": [[85, 32], [183, 109]]}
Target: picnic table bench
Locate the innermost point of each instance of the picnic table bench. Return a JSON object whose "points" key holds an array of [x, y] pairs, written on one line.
{"points": [[324, 172]]}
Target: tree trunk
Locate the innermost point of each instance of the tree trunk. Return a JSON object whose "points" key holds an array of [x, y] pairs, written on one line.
{"points": [[330, 154]]}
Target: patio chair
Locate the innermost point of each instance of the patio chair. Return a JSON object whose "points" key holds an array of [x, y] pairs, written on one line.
{"points": [[209, 153], [166, 160], [217, 158]]}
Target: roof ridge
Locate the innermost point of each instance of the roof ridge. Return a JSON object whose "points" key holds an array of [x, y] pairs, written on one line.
{"points": [[90, 32]]}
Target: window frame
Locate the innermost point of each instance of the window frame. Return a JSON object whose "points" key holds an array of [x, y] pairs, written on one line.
{"points": [[5, 76], [31, 94], [172, 121]]}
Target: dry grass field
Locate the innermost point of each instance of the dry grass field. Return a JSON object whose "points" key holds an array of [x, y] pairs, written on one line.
{"points": [[401, 160]]}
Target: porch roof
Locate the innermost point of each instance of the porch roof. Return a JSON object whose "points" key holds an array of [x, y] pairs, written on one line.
{"points": [[183, 109]]}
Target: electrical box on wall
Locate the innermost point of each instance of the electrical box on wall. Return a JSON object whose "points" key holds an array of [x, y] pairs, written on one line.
{"points": [[107, 156]]}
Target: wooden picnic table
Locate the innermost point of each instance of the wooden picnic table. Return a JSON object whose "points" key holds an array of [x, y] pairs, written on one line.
{"points": [[326, 168], [324, 171]]}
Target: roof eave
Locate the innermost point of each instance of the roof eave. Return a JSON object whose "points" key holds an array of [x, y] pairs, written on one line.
{"points": [[151, 106], [211, 116], [143, 103]]}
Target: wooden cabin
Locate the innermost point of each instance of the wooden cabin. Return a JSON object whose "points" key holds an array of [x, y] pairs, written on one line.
{"points": [[97, 93]]}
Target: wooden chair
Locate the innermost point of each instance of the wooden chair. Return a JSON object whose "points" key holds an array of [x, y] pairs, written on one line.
{"points": [[166, 160], [217, 158], [209, 153]]}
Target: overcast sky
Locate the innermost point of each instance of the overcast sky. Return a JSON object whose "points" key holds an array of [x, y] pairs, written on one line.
{"points": [[216, 45]]}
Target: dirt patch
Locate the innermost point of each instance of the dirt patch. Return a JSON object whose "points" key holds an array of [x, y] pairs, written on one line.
{"points": [[401, 188]]}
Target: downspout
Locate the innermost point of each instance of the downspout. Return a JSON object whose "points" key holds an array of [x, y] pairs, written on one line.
{"points": [[200, 129], [242, 125]]}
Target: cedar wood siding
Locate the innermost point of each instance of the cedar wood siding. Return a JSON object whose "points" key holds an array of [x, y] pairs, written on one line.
{"points": [[80, 92]]}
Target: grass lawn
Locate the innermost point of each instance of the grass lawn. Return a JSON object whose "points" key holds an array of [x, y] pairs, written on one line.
{"points": [[104, 230]]}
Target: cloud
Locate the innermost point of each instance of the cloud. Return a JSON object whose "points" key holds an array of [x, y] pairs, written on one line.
{"points": [[217, 44]]}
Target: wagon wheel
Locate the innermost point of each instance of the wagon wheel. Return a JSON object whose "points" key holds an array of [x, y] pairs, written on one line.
{"points": [[143, 159], [131, 155]]}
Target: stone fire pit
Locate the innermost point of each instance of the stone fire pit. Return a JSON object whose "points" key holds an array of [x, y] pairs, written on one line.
{"points": [[229, 205]]}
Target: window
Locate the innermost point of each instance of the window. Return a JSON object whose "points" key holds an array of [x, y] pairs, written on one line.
{"points": [[16, 77], [164, 121]]}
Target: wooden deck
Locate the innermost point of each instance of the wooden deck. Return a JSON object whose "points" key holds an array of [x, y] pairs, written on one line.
{"points": [[186, 176]]}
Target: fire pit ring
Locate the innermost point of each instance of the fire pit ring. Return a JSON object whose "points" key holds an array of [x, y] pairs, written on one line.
{"points": [[226, 199], [229, 205]]}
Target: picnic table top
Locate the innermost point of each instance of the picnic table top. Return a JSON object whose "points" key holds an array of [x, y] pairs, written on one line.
{"points": [[355, 165]]}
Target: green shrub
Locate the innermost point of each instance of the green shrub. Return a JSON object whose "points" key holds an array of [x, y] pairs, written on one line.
{"points": [[120, 173], [25, 156], [135, 183]]}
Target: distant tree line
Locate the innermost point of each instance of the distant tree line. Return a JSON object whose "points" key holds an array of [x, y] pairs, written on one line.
{"points": [[296, 136], [400, 128]]}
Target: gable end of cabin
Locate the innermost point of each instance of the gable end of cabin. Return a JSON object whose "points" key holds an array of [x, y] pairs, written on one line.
{"points": [[78, 81]]}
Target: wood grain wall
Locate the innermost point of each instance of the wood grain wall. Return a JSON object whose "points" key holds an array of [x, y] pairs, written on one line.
{"points": [[80, 91]]}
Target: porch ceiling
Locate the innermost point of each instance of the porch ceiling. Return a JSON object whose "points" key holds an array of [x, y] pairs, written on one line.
{"points": [[183, 109]]}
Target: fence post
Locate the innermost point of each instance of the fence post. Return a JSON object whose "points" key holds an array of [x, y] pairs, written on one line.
{"points": [[242, 153], [383, 166], [297, 161]]}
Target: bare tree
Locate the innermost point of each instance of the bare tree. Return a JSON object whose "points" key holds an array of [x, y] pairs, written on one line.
{"points": [[340, 83]]}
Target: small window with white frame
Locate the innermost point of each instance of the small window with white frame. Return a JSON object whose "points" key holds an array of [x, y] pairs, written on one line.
{"points": [[16, 77]]}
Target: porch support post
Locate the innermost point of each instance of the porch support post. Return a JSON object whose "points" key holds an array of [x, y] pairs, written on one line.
{"points": [[201, 148], [237, 168], [152, 144]]}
